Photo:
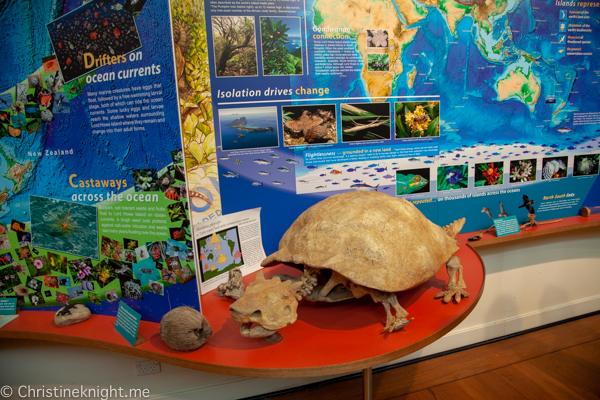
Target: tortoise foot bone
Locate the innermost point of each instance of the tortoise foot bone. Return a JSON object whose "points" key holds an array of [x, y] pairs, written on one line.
{"points": [[397, 323], [453, 291]]}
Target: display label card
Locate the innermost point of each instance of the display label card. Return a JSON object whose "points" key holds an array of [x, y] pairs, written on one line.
{"points": [[506, 226], [8, 306], [127, 322]]}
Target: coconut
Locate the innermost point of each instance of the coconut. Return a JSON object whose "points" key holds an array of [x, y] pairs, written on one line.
{"points": [[184, 329]]}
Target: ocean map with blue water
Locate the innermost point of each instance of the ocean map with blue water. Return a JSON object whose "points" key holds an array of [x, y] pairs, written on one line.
{"points": [[486, 98]]}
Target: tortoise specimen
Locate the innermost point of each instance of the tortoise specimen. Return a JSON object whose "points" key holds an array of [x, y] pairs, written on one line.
{"points": [[350, 245]]}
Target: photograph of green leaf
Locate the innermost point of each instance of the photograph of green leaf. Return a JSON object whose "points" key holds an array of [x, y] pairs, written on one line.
{"points": [[235, 46], [452, 177], [417, 119], [366, 121], [281, 45]]}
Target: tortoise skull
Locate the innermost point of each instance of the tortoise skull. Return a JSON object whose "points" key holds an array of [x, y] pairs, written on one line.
{"points": [[271, 304]]}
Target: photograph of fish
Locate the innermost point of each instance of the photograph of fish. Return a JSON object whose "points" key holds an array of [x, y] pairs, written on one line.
{"points": [[417, 119], [586, 164], [248, 128], [409, 181], [64, 226], [219, 253], [379, 62], [489, 174], [234, 43], [365, 122], [523, 170], [84, 39], [554, 167], [452, 177], [309, 124], [377, 38], [281, 45]]}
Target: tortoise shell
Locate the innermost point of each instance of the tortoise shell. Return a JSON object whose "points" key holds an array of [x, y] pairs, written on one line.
{"points": [[372, 239]]}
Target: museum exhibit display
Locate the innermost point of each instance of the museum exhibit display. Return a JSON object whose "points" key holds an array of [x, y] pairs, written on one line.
{"points": [[176, 172]]}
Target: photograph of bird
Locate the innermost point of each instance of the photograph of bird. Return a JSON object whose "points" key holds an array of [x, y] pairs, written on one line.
{"points": [[528, 204], [503, 212]]}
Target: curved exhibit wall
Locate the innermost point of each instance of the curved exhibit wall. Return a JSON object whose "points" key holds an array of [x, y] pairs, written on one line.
{"points": [[528, 284]]}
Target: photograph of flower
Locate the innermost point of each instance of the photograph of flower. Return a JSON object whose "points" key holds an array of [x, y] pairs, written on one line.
{"points": [[417, 119], [523, 170], [38, 266], [586, 164], [488, 174], [82, 269], [452, 177], [377, 38]]}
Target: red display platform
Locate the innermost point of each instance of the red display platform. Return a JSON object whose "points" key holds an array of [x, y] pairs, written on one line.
{"points": [[326, 339]]}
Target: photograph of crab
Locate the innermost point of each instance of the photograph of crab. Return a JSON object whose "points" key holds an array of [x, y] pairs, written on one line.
{"points": [[377, 38], [409, 181], [489, 174], [309, 124], [417, 119], [64, 226], [365, 122], [82, 37], [281, 45], [554, 167], [586, 164], [234, 44], [523, 170], [452, 177]]}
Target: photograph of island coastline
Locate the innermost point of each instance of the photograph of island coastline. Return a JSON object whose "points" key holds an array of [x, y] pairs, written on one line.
{"points": [[248, 128]]}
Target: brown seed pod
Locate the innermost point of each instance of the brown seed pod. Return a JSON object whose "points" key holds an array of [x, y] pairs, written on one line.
{"points": [[184, 329]]}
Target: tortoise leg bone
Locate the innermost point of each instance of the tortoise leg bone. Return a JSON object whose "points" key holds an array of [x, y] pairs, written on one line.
{"points": [[455, 288], [336, 279], [389, 301], [394, 322]]}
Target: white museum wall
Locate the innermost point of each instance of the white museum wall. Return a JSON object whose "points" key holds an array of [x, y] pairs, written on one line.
{"points": [[528, 284]]}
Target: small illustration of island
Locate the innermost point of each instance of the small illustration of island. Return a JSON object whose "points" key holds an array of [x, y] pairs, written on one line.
{"points": [[248, 128], [219, 252]]}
